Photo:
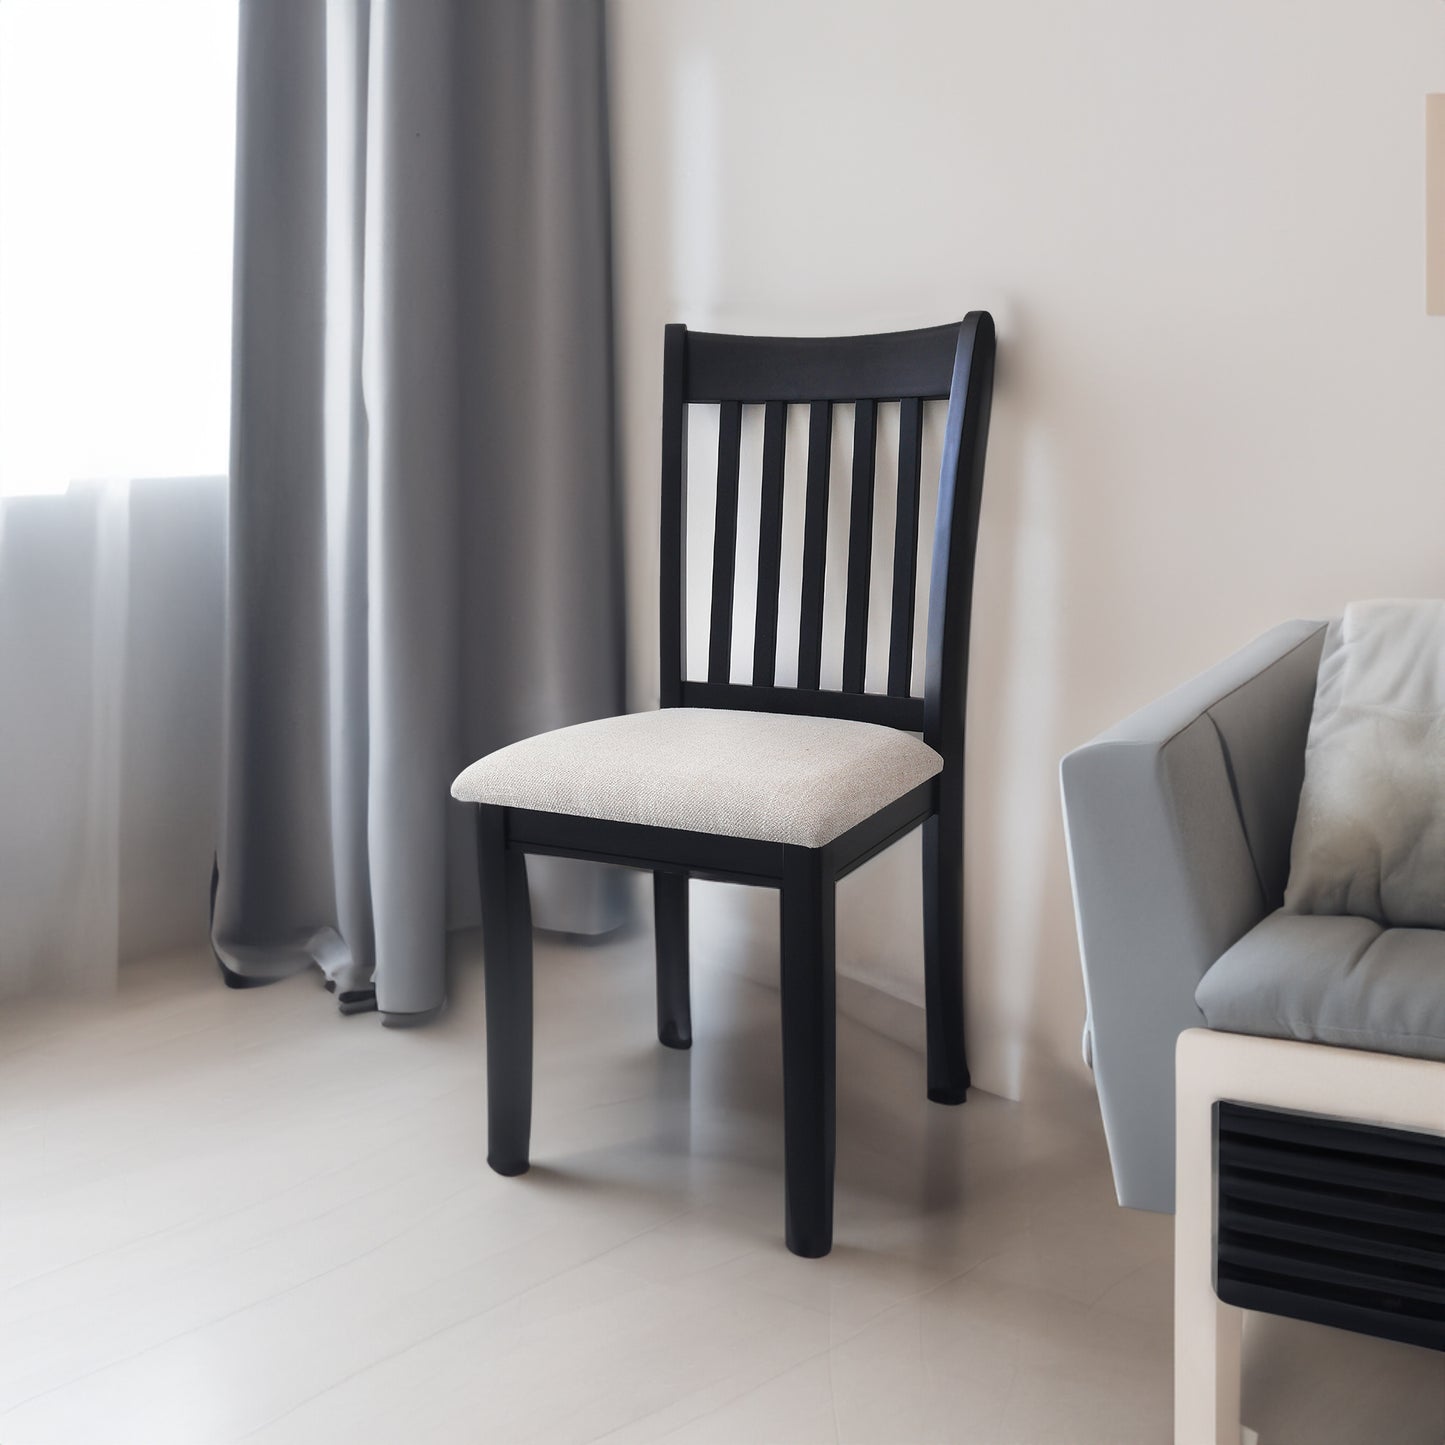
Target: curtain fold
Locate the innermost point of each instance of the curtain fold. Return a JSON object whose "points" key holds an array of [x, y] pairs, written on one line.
{"points": [[424, 556]]}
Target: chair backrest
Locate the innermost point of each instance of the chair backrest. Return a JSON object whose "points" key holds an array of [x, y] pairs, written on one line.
{"points": [[953, 362]]}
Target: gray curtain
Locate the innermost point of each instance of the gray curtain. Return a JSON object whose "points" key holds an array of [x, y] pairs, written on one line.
{"points": [[424, 537]]}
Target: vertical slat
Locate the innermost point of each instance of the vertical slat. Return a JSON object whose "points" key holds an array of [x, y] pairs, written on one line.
{"points": [[815, 546], [905, 546], [672, 577], [725, 542], [770, 545], [860, 546]]}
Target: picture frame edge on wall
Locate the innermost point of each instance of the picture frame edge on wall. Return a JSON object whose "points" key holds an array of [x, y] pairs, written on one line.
{"points": [[1435, 204]]}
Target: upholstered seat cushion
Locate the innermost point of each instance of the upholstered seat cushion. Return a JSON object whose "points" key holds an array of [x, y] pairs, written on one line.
{"points": [[781, 779], [1332, 980]]}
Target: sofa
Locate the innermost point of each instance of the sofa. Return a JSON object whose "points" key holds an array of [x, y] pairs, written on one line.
{"points": [[1277, 1075], [1179, 823]]}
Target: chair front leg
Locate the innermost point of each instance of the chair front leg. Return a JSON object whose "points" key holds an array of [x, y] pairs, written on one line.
{"points": [[948, 1078], [809, 1047], [507, 945], [674, 1002]]}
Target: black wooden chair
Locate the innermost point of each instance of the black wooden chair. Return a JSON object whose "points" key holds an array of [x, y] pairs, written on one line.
{"points": [[786, 787]]}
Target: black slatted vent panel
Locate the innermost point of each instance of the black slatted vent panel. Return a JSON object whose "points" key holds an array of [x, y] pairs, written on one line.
{"points": [[1331, 1221]]}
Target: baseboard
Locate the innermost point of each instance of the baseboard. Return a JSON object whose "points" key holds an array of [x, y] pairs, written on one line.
{"points": [[885, 1013]]}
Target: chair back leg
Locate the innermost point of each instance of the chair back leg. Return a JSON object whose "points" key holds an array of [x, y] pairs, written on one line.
{"points": [[809, 1035], [674, 1002], [507, 946], [948, 1078]]}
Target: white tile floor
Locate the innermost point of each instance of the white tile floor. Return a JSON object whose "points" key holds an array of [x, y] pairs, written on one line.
{"points": [[237, 1216]]}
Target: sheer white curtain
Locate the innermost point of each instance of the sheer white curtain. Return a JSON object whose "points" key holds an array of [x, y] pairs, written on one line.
{"points": [[62, 629], [117, 126]]}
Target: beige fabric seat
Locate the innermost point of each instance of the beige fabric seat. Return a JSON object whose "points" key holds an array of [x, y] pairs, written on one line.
{"points": [[767, 776]]}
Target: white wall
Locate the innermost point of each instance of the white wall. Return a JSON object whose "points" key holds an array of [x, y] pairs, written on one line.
{"points": [[1220, 402]]}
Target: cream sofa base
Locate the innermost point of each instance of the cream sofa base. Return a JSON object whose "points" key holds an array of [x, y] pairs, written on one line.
{"points": [[1382, 1089]]}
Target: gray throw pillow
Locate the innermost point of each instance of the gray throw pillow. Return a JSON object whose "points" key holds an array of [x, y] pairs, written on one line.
{"points": [[1370, 836]]}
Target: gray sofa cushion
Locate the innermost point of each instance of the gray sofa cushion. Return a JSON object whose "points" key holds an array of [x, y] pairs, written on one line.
{"points": [[1332, 980], [1370, 836]]}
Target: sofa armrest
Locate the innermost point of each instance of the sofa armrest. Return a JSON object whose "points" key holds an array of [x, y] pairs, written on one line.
{"points": [[1178, 823]]}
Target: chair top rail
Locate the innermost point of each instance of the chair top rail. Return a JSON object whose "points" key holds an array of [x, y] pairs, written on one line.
{"points": [[886, 366]]}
